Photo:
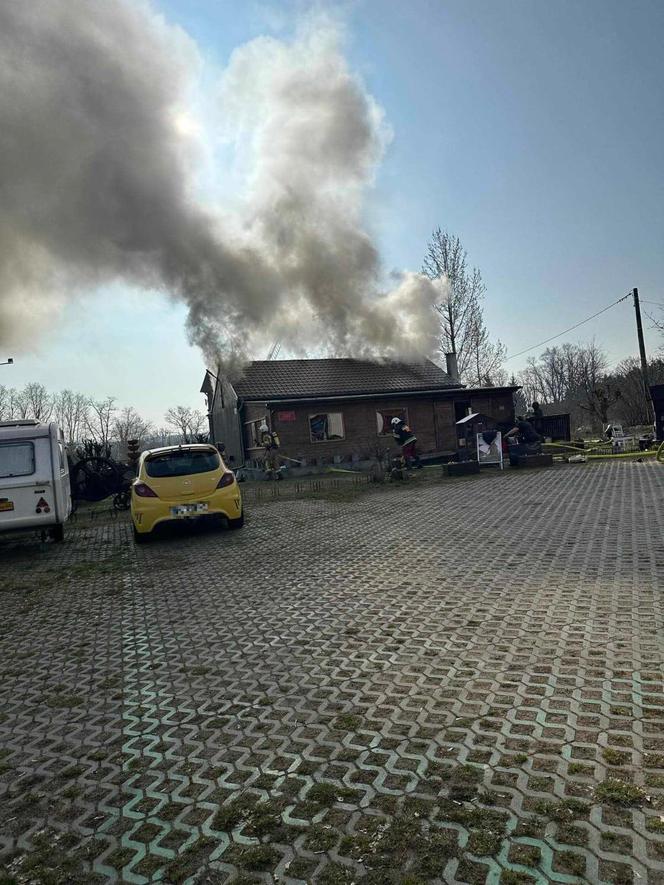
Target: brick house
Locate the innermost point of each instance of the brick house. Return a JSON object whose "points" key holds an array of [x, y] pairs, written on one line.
{"points": [[330, 411]]}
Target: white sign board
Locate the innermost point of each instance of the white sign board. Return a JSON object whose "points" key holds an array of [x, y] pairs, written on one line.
{"points": [[490, 448]]}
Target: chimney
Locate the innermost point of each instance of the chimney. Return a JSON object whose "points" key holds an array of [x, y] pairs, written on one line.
{"points": [[452, 366]]}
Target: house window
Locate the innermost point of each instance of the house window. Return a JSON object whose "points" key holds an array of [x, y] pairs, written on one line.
{"points": [[384, 420], [327, 426], [253, 432]]}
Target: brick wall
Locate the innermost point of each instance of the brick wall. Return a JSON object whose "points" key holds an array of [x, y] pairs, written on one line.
{"points": [[361, 438], [431, 419]]}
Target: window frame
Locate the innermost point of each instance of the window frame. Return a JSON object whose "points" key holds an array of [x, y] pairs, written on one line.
{"points": [[334, 439], [252, 428], [380, 412], [18, 443]]}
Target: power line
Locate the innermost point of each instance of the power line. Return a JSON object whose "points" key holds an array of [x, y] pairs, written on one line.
{"points": [[571, 328]]}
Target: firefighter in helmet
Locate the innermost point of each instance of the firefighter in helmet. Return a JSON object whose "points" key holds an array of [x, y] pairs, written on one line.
{"points": [[270, 442], [407, 440]]}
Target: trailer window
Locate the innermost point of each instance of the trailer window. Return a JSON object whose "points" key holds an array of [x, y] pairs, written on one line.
{"points": [[17, 459], [182, 463]]}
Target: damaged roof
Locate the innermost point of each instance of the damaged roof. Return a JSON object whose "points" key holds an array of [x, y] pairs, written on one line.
{"points": [[299, 379]]}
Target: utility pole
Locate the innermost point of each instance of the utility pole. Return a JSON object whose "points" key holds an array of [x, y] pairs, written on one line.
{"points": [[642, 350]]}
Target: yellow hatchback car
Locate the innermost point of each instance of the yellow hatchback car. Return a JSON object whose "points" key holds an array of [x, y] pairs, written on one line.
{"points": [[182, 483]]}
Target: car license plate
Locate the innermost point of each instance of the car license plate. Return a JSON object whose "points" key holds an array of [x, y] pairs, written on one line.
{"points": [[188, 509], [6, 505]]}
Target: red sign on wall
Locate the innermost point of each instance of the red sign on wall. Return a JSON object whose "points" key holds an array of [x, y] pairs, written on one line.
{"points": [[285, 417]]}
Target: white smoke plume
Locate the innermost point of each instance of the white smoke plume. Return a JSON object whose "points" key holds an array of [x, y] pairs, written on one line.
{"points": [[97, 172]]}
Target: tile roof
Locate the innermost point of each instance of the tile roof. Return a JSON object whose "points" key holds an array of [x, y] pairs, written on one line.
{"points": [[294, 379]]}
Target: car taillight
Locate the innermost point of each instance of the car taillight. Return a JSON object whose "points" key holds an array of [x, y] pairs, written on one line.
{"points": [[227, 479], [144, 491]]}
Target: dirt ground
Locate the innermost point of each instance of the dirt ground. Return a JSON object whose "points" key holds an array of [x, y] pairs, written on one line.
{"points": [[453, 681]]}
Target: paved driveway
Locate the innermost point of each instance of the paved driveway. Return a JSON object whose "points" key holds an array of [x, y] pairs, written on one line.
{"points": [[456, 682]]}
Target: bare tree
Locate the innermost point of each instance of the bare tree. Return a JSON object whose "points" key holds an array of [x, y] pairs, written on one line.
{"points": [[71, 410], [163, 436], [190, 423], [463, 331], [560, 371], [7, 403], [130, 425], [597, 392], [574, 377], [98, 421], [633, 408], [198, 426], [34, 402]]}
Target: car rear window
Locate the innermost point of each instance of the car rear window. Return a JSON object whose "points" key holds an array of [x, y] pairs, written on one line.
{"points": [[182, 463], [17, 459]]}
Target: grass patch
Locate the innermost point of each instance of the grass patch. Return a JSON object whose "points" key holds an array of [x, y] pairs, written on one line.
{"points": [[98, 755], [327, 794], [563, 812], [63, 700], [71, 771], [433, 850], [484, 843], [301, 868], [655, 825], [348, 722], [654, 760], [149, 866], [261, 817], [655, 780], [109, 682], [526, 855], [189, 862], [617, 792], [335, 874], [320, 838], [570, 862], [463, 781], [254, 857], [615, 757], [514, 877]]}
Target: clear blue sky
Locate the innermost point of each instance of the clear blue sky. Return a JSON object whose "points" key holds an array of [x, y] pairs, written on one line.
{"points": [[533, 129]]}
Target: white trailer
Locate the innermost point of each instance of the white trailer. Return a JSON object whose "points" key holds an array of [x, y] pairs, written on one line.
{"points": [[34, 478]]}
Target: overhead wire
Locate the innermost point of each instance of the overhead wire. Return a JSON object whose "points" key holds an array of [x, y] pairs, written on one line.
{"points": [[570, 329]]}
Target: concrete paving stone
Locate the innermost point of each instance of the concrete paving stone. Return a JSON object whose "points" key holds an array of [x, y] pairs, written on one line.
{"points": [[456, 681]]}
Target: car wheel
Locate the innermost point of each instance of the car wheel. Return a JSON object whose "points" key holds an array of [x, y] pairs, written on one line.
{"points": [[236, 523], [58, 533], [141, 537]]}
